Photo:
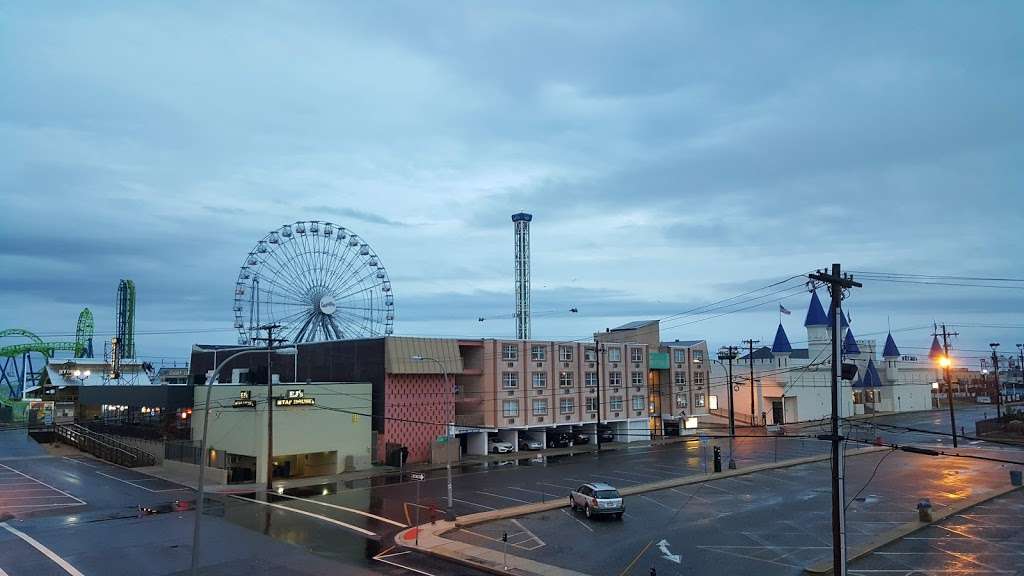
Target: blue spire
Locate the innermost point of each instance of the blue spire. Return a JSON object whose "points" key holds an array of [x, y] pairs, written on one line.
{"points": [[891, 351], [936, 351], [781, 344], [815, 313], [850, 344], [843, 323], [871, 378]]}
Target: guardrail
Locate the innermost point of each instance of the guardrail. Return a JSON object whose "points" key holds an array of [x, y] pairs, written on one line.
{"points": [[102, 446]]}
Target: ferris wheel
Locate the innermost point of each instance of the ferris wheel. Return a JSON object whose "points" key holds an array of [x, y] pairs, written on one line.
{"points": [[318, 281]]}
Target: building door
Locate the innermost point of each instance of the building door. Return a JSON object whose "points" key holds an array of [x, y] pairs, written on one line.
{"points": [[777, 412]]}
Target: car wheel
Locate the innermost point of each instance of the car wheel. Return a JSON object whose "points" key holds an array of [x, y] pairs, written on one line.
{"points": [[618, 515], [572, 504], [587, 510]]}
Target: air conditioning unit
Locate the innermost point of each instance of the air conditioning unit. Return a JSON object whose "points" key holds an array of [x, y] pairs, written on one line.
{"points": [[637, 388], [540, 364], [615, 389], [511, 420], [511, 392], [565, 364], [615, 414], [590, 365], [568, 416], [636, 365], [540, 418], [615, 364], [679, 365], [639, 413], [511, 364], [593, 416], [540, 391]]}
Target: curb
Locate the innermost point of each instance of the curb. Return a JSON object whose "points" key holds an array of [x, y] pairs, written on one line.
{"points": [[825, 567], [524, 509]]}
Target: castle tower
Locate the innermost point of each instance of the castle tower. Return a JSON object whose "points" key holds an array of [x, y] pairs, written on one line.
{"points": [[781, 347], [891, 355], [816, 324]]}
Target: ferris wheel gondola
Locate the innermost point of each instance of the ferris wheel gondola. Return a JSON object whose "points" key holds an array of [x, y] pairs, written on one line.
{"points": [[318, 281]]}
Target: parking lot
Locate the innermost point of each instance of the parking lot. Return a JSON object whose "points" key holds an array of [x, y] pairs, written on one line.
{"points": [[770, 522]]}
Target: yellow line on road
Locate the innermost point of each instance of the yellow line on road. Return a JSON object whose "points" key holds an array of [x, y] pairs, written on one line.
{"points": [[635, 558]]}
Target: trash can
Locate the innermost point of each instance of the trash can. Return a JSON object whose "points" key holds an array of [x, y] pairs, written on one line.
{"points": [[1015, 477], [924, 510]]}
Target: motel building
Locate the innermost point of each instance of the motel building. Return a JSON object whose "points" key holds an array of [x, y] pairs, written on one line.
{"points": [[423, 391]]}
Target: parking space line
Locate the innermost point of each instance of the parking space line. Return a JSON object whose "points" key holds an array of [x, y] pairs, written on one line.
{"points": [[557, 486], [139, 485], [305, 513], [535, 491], [82, 462], [44, 484], [665, 506], [505, 497], [44, 550], [658, 476], [693, 495], [20, 498], [474, 504], [566, 512], [346, 509]]}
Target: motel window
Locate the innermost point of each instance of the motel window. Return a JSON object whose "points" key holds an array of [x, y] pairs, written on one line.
{"points": [[537, 352], [565, 353], [638, 402], [590, 378], [615, 378], [680, 400], [636, 355], [698, 355], [615, 354], [679, 355], [615, 403], [591, 403], [540, 406], [590, 355], [540, 379], [566, 405], [565, 379], [510, 352], [510, 408], [698, 378], [510, 380], [699, 400], [680, 378], [637, 378]]}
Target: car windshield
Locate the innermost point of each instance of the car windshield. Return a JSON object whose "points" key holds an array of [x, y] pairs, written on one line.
{"points": [[604, 494]]}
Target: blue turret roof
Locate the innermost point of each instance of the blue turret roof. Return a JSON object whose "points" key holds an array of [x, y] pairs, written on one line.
{"points": [[891, 351], [843, 323], [871, 378], [859, 383], [781, 344], [815, 313], [936, 351], [850, 344]]}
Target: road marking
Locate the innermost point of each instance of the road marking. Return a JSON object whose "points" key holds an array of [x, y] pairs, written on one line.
{"points": [[141, 486], [305, 513], [557, 485], [44, 550], [83, 463], [385, 560], [659, 476], [693, 495], [44, 484], [474, 504], [536, 492], [665, 506], [505, 497], [566, 512], [346, 509], [2, 573], [629, 566], [20, 498]]}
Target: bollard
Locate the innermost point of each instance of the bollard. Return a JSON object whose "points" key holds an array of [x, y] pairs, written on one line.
{"points": [[718, 458], [1015, 477], [924, 510]]}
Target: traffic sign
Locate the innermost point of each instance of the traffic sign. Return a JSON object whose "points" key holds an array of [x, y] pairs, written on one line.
{"points": [[442, 439], [418, 476]]}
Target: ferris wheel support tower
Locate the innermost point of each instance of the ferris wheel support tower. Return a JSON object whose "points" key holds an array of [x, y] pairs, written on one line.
{"points": [[522, 221]]}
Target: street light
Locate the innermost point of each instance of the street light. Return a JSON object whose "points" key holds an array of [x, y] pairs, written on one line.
{"points": [[292, 351], [81, 375], [448, 428]]}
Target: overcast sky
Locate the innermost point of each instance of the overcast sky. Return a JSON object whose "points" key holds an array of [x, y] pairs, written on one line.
{"points": [[672, 154]]}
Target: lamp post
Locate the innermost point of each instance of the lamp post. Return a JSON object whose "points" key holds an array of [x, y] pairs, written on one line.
{"points": [[202, 445], [448, 427], [729, 353], [945, 362], [995, 376]]}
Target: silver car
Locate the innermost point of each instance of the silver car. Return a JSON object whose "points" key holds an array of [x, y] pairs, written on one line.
{"points": [[596, 499]]}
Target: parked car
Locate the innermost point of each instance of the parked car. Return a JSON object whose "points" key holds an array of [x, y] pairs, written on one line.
{"points": [[606, 434], [580, 436], [530, 444], [597, 499], [559, 439], [495, 446]]}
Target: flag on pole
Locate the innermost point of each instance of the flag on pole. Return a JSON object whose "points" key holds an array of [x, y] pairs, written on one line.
{"points": [[782, 310]]}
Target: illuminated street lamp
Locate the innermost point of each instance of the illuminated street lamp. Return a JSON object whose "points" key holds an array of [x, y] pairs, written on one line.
{"points": [[81, 376], [945, 362]]}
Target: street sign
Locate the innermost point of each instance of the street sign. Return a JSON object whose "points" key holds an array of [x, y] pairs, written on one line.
{"points": [[418, 476], [442, 439]]}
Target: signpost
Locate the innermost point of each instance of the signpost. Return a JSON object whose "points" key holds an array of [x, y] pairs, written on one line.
{"points": [[418, 477]]}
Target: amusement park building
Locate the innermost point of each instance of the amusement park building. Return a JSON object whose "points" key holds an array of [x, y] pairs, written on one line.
{"points": [[794, 384]]}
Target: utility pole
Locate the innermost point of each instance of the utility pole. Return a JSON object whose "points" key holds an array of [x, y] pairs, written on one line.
{"points": [[945, 362], [597, 372], [729, 353], [995, 374], [750, 360], [271, 341], [1020, 366], [837, 283]]}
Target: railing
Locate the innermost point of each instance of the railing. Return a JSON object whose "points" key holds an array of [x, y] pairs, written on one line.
{"points": [[103, 447], [741, 417]]}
